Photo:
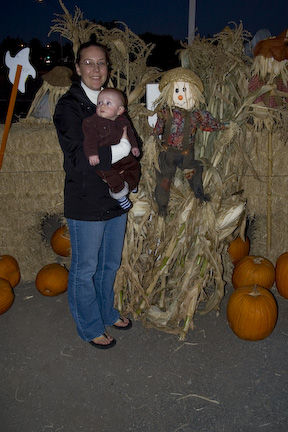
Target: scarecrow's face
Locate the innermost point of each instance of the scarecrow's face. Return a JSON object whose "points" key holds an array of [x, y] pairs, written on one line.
{"points": [[183, 95]]}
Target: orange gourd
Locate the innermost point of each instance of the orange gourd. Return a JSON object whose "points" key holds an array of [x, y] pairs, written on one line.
{"points": [[238, 249], [52, 280], [252, 270], [252, 312], [281, 275], [6, 295], [60, 242], [9, 270]]}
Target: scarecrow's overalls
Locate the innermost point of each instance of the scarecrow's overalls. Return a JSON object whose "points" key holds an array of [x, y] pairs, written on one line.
{"points": [[178, 137]]}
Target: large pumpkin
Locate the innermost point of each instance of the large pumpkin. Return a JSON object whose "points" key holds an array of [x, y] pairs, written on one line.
{"points": [[6, 295], [252, 312], [238, 249], [252, 270], [60, 242], [281, 275], [52, 280], [9, 269]]}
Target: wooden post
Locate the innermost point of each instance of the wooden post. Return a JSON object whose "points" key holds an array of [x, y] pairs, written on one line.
{"points": [[269, 193], [191, 20], [10, 113]]}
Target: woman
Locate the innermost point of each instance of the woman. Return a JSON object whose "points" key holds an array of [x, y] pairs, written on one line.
{"points": [[96, 221]]}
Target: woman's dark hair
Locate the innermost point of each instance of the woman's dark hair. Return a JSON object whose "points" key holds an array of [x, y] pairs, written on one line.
{"points": [[88, 45]]}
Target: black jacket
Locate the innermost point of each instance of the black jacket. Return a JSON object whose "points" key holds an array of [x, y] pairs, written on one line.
{"points": [[86, 196]]}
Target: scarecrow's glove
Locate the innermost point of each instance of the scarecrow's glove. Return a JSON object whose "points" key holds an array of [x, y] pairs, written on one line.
{"points": [[121, 150]]}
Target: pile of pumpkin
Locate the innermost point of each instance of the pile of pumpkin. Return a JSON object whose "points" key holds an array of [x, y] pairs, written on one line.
{"points": [[252, 309], [51, 280], [9, 278]]}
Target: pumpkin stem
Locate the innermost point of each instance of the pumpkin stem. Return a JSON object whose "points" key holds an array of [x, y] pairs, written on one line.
{"points": [[255, 292], [258, 260]]}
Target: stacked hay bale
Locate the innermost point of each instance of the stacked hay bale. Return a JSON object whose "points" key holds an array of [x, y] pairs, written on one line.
{"points": [[31, 190]]}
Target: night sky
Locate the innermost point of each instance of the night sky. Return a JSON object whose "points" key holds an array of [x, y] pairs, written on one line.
{"points": [[28, 19]]}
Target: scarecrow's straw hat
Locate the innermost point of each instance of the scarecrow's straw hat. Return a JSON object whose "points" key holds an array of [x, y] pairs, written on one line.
{"points": [[181, 74], [59, 76]]}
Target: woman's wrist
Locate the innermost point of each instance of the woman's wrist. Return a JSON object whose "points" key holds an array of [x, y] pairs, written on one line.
{"points": [[121, 150]]}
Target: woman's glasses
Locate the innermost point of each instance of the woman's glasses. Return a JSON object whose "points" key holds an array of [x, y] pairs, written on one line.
{"points": [[91, 64]]}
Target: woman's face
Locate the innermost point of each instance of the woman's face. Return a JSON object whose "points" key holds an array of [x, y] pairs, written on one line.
{"points": [[92, 67]]}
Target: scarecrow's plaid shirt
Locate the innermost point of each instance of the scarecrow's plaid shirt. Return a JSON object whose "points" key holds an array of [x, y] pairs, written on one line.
{"points": [[198, 120], [270, 99]]}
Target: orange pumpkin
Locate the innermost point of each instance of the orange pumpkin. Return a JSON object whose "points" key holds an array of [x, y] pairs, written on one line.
{"points": [[6, 295], [238, 249], [52, 280], [9, 269], [252, 312], [60, 242], [252, 270], [281, 275]]}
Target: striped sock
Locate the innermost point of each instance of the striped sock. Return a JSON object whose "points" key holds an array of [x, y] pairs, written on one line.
{"points": [[125, 203]]}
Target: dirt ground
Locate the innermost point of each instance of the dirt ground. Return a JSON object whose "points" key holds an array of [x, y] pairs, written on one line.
{"points": [[52, 381]]}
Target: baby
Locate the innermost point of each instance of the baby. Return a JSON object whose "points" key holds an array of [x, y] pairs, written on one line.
{"points": [[108, 127]]}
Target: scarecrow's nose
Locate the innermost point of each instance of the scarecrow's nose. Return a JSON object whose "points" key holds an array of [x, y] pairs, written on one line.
{"points": [[180, 97]]}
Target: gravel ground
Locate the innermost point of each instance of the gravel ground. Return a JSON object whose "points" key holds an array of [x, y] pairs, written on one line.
{"points": [[214, 382]]}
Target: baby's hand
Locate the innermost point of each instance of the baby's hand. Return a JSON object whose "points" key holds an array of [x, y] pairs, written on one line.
{"points": [[125, 135], [94, 160], [135, 151]]}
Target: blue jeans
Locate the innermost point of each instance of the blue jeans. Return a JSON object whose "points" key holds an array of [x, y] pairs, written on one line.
{"points": [[96, 256]]}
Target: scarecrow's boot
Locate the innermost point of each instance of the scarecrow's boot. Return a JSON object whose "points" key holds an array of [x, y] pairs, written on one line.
{"points": [[196, 184]]}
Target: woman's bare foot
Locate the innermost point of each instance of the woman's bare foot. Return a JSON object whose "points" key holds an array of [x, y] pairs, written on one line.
{"points": [[123, 323]]}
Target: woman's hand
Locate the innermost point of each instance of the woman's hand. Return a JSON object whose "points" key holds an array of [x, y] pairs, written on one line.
{"points": [[125, 135]]}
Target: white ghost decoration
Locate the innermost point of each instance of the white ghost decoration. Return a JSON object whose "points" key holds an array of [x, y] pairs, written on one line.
{"points": [[21, 58]]}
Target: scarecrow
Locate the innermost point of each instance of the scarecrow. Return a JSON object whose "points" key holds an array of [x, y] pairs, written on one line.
{"points": [[269, 87], [56, 82], [178, 118], [270, 67]]}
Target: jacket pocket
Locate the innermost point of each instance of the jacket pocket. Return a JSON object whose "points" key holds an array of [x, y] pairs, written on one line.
{"points": [[104, 131]]}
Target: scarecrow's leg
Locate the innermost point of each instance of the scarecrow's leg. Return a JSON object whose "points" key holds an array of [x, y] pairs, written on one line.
{"points": [[167, 165], [195, 179]]}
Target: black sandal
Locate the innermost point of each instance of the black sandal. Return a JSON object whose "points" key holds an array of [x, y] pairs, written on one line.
{"points": [[100, 346]]}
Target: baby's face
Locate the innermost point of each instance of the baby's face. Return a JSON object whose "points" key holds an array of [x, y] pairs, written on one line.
{"points": [[183, 95], [109, 106]]}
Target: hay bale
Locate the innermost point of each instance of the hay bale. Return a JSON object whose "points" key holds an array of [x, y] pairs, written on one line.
{"points": [[31, 188], [255, 183]]}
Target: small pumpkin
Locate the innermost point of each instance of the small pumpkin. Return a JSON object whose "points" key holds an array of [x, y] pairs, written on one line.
{"points": [[252, 270], [281, 275], [52, 280], [60, 242], [252, 312], [6, 295], [238, 249], [9, 269]]}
